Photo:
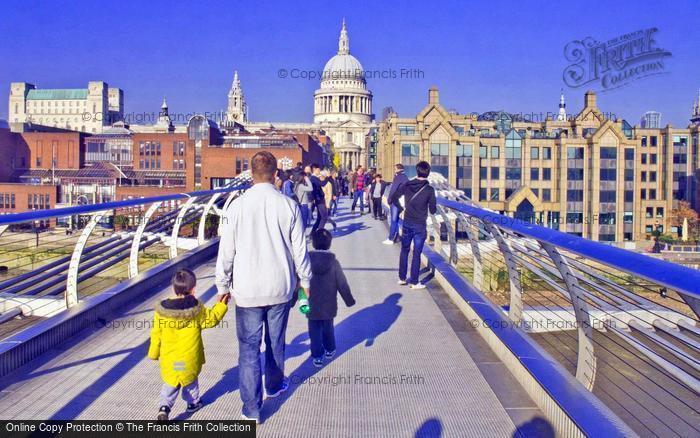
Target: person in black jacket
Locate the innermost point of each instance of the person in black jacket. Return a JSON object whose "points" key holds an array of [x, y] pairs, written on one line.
{"points": [[376, 192], [327, 280], [395, 208], [419, 198], [335, 180], [319, 198]]}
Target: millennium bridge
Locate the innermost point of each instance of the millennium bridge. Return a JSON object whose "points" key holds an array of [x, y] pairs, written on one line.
{"points": [[522, 331]]}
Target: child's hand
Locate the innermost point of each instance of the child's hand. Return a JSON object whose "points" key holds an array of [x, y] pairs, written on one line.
{"points": [[225, 298]]}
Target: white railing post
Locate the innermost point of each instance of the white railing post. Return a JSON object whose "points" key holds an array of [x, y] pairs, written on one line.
{"points": [[586, 363], [203, 220], [515, 310], [176, 226], [136, 243], [72, 280]]}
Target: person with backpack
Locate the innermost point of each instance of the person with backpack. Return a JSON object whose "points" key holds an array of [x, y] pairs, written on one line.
{"points": [[395, 209], [419, 199], [288, 185], [376, 192], [319, 198], [302, 191]]}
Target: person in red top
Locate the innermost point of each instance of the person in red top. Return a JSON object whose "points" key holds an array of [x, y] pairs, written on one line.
{"points": [[358, 190]]}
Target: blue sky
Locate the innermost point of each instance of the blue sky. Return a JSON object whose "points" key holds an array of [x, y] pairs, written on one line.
{"points": [[482, 55]]}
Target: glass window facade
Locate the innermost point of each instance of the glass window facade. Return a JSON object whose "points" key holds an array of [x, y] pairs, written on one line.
{"points": [[464, 167], [407, 129], [409, 158], [513, 145], [439, 158]]}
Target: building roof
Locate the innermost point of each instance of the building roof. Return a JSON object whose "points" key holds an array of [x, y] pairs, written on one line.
{"points": [[98, 171], [154, 173], [343, 65], [499, 115], [58, 94], [88, 172], [114, 131]]}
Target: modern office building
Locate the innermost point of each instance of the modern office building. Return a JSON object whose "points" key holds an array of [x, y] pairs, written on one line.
{"points": [[586, 175], [651, 120], [81, 109]]}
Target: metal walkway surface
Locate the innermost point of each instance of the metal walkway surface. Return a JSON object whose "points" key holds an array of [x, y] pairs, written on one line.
{"points": [[400, 369]]}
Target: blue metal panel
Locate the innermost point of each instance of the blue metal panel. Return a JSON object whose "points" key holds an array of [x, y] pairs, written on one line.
{"points": [[29, 216], [671, 275]]}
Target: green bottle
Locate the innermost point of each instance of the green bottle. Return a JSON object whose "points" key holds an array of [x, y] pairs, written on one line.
{"points": [[303, 302]]}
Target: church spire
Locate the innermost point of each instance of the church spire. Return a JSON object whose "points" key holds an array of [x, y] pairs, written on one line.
{"points": [[343, 41], [562, 108], [235, 85], [237, 108], [695, 117], [164, 123]]}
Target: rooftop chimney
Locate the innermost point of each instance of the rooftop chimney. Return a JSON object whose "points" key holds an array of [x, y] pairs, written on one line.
{"points": [[433, 96], [589, 99]]}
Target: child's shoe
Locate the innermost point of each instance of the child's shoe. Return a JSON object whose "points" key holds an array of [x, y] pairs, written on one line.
{"points": [[194, 407], [318, 362], [163, 413], [283, 388], [330, 354]]}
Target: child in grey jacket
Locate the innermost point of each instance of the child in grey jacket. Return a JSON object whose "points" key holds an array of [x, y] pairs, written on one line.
{"points": [[327, 280]]}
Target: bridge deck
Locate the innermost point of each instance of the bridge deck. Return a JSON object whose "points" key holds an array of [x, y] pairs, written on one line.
{"points": [[401, 369]]}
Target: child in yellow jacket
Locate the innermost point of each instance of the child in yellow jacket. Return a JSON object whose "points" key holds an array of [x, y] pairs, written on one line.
{"points": [[176, 339]]}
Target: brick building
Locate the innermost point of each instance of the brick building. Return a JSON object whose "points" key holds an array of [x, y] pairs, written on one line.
{"points": [[44, 167]]}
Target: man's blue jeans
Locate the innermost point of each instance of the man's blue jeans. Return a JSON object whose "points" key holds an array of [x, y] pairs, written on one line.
{"points": [[416, 234], [249, 328], [393, 223], [304, 214], [358, 194]]}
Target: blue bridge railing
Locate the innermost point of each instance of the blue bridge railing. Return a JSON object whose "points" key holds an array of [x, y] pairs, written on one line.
{"points": [[50, 259], [623, 324]]}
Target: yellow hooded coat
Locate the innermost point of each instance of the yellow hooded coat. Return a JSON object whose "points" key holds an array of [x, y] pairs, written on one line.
{"points": [[176, 338]]}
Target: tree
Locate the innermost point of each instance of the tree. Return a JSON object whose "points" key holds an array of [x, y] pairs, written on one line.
{"points": [[681, 213], [336, 160]]}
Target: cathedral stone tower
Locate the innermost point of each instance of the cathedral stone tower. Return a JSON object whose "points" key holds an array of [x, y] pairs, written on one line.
{"points": [[237, 109]]}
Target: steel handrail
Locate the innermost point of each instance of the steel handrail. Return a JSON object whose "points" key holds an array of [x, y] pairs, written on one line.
{"points": [[682, 279], [35, 215]]}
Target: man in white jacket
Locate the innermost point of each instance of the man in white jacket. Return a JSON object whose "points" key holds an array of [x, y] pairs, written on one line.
{"points": [[261, 253]]}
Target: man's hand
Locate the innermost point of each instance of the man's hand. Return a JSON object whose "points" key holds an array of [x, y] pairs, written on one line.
{"points": [[306, 291], [225, 298]]}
